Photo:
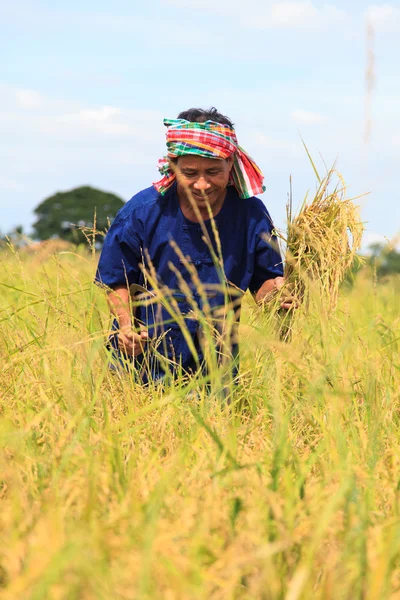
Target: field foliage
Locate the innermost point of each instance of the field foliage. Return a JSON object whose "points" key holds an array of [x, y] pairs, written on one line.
{"points": [[111, 490]]}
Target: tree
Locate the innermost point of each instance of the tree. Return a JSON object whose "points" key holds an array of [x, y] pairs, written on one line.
{"points": [[385, 258], [66, 214]]}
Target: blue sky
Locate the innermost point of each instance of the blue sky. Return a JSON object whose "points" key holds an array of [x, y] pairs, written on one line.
{"points": [[84, 87]]}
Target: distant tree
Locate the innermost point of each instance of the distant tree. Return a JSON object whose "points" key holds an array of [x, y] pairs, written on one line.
{"points": [[385, 258], [65, 214]]}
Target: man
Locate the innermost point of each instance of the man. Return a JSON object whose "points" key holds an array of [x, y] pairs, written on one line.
{"points": [[168, 236]]}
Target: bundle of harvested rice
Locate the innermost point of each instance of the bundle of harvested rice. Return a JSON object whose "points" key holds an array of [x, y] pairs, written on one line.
{"points": [[322, 241]]}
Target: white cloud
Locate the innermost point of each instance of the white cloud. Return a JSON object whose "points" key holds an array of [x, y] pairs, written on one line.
{"points": [[42, 115], [104, 121], [384, 17], [28, 98], [306, 117], [261, 14]]}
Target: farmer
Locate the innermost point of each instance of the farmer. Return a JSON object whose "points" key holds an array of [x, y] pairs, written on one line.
{"points": [[160, 231]]}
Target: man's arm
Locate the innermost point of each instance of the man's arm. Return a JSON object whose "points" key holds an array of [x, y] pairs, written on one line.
{"points": [[129, 341], [119, 262]]}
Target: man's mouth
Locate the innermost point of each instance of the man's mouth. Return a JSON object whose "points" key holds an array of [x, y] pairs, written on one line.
{"points": [[201, 196]]}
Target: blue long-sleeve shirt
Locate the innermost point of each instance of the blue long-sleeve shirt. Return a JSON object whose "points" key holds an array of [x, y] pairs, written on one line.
{"points": [[145, 227]]}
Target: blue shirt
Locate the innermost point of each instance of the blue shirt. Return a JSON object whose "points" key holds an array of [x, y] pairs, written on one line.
{"points": [[146, 225]]}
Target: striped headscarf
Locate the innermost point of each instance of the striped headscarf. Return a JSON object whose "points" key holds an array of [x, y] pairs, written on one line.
{"points": [[211, 140]]}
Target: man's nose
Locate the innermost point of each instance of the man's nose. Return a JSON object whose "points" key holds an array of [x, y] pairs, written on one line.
{"points": [[201, 184]]}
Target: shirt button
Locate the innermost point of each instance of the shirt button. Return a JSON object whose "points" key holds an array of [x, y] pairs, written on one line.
{"points": [[198, 263]]}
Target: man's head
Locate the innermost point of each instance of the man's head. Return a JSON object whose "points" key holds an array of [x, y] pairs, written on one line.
{"points": [[207, 135], [206, 178]]}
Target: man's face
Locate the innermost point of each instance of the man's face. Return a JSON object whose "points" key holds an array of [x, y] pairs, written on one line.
{"points": [[206, 178]]}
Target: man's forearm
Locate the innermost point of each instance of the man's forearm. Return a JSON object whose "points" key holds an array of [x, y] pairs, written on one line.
{"points": [[118, 301], [131, 343]]}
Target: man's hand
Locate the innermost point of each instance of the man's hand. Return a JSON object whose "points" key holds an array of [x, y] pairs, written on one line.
{"points": [[270, 288], [130, 342]]}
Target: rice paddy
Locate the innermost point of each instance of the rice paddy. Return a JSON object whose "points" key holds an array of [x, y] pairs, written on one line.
{"points": [[113, 490]]}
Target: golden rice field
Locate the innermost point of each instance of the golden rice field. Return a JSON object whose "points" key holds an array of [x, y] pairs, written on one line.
{"points": [[110, 490]]}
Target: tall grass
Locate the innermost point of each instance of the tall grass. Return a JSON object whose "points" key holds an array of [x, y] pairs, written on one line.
{"points": [[113, 490]]}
